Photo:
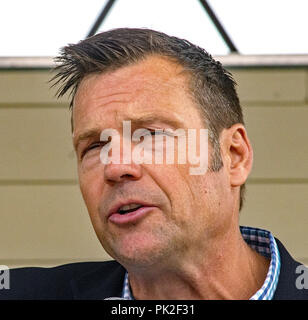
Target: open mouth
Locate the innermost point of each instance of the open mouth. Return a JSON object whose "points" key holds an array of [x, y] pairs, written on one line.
{"points": [[129, 213], [129, 208]]}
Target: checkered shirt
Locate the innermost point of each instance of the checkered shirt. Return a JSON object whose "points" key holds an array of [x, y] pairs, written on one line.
{"points": [[264, 243]]}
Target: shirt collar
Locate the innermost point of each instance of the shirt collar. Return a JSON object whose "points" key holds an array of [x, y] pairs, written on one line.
{"points": [[264, 243]]}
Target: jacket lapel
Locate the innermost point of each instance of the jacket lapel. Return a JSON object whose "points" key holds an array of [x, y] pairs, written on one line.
{"points": [[286, 287], [103, 282]]}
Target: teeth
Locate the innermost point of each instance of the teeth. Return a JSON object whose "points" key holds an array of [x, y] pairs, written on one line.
{"points": [[130, 206]]}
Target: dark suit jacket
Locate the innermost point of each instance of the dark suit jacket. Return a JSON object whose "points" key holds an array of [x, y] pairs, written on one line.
{"points": [[99, 280]]}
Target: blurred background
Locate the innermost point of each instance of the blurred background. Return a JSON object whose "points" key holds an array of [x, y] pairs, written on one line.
{"points": [[43, 219]]}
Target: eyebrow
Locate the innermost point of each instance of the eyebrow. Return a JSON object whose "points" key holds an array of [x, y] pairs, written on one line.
{"points": [[136, 122], [88, 134], [148, 119]]}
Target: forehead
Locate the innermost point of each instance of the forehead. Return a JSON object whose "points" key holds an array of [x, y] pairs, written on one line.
{"points": [[155, 84]]}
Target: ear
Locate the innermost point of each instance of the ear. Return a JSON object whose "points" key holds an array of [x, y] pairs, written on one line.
{"points": [[237, 153]]}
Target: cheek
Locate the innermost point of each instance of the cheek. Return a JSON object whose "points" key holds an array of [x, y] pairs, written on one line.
{"points": [[91, 190], [200, 195], [173, 181], [90, 163], [91, 186], [214, 196]]}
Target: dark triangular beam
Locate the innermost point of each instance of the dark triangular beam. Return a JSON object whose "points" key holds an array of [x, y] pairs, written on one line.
{"points": [[219, 26], [101, 18]]}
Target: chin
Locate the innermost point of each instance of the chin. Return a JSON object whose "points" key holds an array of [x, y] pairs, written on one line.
{"points": [[136, 254]]}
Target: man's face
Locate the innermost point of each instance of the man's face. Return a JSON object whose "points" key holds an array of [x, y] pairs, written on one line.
{"points": [[179, 212]]}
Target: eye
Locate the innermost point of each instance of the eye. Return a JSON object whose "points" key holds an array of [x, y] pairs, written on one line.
{"points": [[156, 132], [92, 146]]}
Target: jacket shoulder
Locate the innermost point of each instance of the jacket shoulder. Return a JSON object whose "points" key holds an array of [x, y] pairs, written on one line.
{"points": [[49, 283], [287, 288]]}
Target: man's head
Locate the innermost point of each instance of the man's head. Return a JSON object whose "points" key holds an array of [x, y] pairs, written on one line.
{"points": [[157, 82], [211, 86]]}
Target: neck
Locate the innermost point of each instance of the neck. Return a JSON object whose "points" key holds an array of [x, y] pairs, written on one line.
{"points": [[229, 269]]}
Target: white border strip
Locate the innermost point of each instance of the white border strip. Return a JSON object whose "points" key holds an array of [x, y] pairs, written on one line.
{"points": [[236, 60], [232, 60]]}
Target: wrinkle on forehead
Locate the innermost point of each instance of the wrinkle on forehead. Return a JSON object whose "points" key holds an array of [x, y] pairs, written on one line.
{"points": [[147, 75], [132, 87]]}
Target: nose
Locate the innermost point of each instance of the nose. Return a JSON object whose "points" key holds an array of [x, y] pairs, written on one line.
{"points": [[114, 173]]}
